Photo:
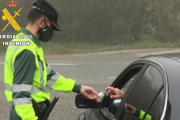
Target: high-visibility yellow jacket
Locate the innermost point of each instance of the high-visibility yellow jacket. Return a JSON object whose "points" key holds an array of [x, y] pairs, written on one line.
{"points": [[27, 76], [141, 113]]}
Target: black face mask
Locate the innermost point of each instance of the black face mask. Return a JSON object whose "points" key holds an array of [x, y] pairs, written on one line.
{"points": [[45, 34]]}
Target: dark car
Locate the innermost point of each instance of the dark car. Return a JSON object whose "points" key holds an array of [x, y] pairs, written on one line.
{"points": [[152, 84]]}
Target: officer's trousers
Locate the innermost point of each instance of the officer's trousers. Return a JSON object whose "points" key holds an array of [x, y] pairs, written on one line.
{"points": [[38, 108], [13, 114]]}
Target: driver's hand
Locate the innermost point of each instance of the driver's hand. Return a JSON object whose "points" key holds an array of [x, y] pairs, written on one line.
{"points": [[114, 93]]}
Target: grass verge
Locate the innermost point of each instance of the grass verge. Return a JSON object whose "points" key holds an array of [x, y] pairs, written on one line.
{"points": [[80, 47]]}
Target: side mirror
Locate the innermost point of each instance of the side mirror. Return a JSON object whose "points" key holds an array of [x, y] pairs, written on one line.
{"points": [[82, 102], [114, 106]]}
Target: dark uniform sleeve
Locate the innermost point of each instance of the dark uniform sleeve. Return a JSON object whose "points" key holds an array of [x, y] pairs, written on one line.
{"points": [[24, 69]]}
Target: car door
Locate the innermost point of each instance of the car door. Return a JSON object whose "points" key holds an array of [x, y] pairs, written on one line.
{"points": [[108, 107], [148, 95]]}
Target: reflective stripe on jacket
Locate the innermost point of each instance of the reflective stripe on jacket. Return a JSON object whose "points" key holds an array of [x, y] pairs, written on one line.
{"points": [[142, 113], [44, 77]]}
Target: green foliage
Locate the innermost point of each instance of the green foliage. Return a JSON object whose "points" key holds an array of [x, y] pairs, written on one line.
{"points": [[83, 47], [109, 22], [162, 19]]}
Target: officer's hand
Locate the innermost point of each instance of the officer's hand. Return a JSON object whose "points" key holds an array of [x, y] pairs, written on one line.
{"points": [[115, 93], [130, 109], [89, 92]]}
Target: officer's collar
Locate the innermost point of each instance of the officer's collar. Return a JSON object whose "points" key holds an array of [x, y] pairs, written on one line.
{"points": [[35, 40]]}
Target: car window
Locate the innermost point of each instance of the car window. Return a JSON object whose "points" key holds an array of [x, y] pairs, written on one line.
{"points": [[145, 91], [126, 86], [157, 107], [122, 82], [114, 104]]}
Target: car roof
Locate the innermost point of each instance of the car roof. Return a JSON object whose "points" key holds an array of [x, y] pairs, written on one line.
{"points": [[171, 64]]}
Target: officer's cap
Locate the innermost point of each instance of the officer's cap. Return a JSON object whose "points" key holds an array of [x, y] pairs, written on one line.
{"points": [[49, 11]]}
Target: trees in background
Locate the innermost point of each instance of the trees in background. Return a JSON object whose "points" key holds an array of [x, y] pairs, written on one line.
{"points": [[111, 20]]}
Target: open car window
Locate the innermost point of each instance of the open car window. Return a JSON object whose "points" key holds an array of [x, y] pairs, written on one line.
{"points": [[147, 93], [110, 106]]}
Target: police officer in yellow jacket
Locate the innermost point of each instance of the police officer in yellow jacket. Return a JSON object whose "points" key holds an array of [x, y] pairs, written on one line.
{"points": [[26, 73]]}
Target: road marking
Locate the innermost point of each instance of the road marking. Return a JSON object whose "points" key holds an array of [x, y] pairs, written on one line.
{"points": [[111, 77], [63, 64], [53, 64]]}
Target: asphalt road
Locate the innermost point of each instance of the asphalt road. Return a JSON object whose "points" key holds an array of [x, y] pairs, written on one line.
{"points": [[97, 70]]}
